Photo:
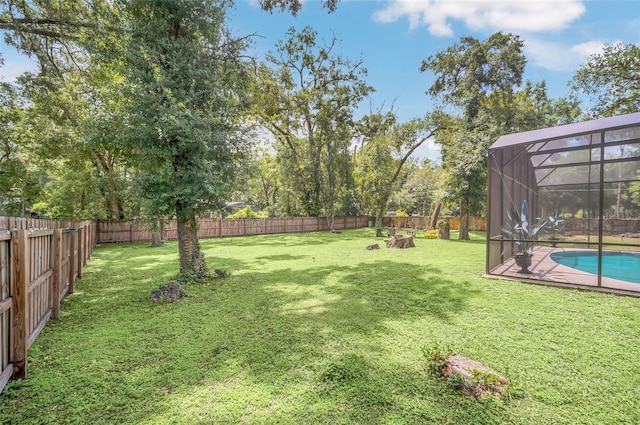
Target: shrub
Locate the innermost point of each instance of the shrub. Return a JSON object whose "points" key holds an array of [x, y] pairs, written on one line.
{"points": [[247, 212]]}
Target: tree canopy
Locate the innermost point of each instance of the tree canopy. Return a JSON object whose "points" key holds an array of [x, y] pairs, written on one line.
{"points": [[611, 80]]}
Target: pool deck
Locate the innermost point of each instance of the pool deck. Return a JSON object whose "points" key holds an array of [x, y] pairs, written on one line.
{"points": [[546, 271]]}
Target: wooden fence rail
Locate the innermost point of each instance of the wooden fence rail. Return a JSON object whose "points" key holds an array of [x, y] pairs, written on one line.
{"points": [[39, 263], [122, 232]]}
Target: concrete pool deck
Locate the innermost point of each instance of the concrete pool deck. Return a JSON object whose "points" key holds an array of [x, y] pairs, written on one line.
{"points": [[546, 271]]}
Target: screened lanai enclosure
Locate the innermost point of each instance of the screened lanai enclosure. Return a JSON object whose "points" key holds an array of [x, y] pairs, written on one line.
{"points": [[581, 184]]}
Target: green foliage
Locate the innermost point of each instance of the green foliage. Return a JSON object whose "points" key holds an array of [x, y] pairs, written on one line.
{"points": [[247, 212], [293, 6], [421, 189], [387, 148], [481, 78], [306, 96], [19, 184], [436, 355], [469, 72], [400, 213], [193, 276], [186, 96], [611, 81]]}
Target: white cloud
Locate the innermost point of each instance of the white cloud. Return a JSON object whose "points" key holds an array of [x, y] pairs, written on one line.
{"points": [[429, 149], [558, 56], [513, 16], [584, 50], [13, 68]]}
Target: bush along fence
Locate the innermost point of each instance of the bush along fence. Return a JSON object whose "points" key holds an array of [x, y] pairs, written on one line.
{"points": [[39, 263], [120, 232]]}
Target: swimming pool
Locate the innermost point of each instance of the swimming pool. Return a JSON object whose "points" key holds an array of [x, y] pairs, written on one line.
{"points": [[616, 265]]}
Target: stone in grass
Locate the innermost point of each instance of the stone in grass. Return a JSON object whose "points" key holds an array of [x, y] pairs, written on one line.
{"points": [[169, 292], [473, 378], [219, 274], [372, 247]]}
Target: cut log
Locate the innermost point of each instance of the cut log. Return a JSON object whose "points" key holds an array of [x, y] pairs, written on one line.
{"points": [[400, 241]]}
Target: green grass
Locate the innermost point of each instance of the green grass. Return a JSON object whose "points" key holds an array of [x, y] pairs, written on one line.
{"points": [[314, 329]]}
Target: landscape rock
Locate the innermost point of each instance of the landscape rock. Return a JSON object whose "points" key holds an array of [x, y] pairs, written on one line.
{"points": [[169, 292]]}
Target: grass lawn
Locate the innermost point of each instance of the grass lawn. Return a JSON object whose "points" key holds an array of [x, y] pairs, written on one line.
{"points": [[314, 329]]}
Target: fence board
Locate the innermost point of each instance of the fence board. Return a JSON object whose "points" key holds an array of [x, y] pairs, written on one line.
{"points": [[20, 317], [119, 232], [38, 265], [6, 303]]}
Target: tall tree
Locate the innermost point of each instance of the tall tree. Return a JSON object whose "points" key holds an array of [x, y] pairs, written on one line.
{"points": [[611, 80], [387, 147], [421, 191], [306, 100], [184, 112], [468, 74]]}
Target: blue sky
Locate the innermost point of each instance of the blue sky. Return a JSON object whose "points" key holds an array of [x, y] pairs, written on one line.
{"points": [[393, 37]]}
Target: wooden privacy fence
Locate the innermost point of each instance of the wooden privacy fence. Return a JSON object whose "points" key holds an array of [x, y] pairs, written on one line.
{"points": [[108, 232], [475, 223], [38, 267]]}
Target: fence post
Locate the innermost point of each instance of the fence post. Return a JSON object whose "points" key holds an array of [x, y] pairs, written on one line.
{"points": [[57, 269], [72, 260], [85, 243], [20, 294], [80, 251]]}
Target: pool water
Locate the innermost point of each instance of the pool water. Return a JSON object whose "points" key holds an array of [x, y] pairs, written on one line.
{"points": [[616, 265]]}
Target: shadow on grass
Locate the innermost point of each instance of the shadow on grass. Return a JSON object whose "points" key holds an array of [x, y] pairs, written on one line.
{"points": [[280, 240], [246, 337], [371, 293], [281, 257], [292, 322]]}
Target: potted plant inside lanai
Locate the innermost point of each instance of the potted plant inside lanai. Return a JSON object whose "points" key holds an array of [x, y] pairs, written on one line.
{"points": [[522, 234]]}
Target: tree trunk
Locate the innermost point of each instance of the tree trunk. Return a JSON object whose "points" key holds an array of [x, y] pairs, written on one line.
{"points": [[192, 265], [156, 234], [156, 240], [381, 210], [434, 216], [464, 218]]}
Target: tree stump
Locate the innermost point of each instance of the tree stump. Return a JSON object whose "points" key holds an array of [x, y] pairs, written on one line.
{"points": [[400, 241], [475, 379]]}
